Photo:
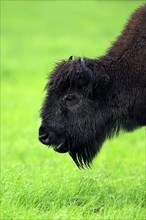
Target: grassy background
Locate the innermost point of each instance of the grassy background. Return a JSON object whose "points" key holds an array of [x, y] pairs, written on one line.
{"points": [[38, 183]]}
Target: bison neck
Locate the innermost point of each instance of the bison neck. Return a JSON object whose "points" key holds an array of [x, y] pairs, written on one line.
{"points": [[127, 96], [125, 62]]}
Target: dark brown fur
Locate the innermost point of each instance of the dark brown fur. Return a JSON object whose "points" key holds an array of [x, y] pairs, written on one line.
{"points": [[89, 100]]}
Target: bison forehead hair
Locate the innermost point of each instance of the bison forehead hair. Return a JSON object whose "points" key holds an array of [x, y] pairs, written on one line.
{"points": [[73, 111]]}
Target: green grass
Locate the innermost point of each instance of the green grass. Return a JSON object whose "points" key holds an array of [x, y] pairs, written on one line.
{"points": [[38, 183]]}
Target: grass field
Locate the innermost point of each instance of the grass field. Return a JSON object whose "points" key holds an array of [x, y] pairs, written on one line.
{"points": [[38, 183]]}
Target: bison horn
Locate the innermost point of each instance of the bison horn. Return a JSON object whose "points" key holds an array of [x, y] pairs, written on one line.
{"points": [[83, 64], [70, 58]]}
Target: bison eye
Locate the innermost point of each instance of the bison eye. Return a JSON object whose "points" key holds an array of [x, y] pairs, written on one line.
{"points": [[70, 99]]}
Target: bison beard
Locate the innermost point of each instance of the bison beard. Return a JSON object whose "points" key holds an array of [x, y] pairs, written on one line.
{"points": [[89, 100]]}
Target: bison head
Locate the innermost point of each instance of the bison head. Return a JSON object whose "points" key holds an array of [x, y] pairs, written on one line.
{"points": [[75, 110]]}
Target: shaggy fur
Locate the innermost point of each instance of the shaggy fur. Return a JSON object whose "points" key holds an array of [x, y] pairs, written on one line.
{"points": [[89, 100]]}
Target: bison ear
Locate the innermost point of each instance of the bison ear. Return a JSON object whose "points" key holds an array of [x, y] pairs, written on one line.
{"points": [[102, 84], [70, 58]]}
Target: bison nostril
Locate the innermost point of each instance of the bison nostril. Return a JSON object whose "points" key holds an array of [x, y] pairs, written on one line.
{"points": [[44, 139], [42, 130], [43, 136], [49, 136]]}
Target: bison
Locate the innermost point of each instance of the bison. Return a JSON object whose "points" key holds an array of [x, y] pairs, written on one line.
{"points": [[89, 100]]}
